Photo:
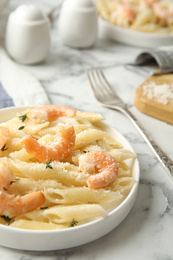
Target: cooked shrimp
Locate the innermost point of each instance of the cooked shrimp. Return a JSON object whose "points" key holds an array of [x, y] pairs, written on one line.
{"points": [[164, 11], [4, 135], [101, 163], [58, 149], [6, 176], [49, 112], [11, 205], [129, 12]]}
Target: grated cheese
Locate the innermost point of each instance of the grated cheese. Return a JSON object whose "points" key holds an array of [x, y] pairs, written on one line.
{"points": [[162, 93]]}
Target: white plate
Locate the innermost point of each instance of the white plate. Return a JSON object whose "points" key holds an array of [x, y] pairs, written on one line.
{"points": [[135, 38], [71, 237]]}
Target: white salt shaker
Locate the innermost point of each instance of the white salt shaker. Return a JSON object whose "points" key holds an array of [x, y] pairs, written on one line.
{"points": [[78, 23], [28, 35]]}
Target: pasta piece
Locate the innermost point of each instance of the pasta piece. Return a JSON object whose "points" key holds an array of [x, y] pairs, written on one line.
{"points": [[88, 136], [80, 128], [13, 144], [49, 130], [102, 7], [64, 120], [63, 172], [25, 185], [104, 146], [13, 125], [81, 195], [21, 155], [143, 18], [124, 172], [36, 215], [36, 225], [32, 129], [83, 121], [123, 185], [63, 214], [90, 116], [122, 154]]}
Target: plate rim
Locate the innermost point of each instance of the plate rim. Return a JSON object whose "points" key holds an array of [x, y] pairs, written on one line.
{"points": [[121, 34]]}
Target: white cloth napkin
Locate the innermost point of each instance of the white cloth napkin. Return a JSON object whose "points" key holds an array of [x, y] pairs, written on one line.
{"points": [[19, 87]]}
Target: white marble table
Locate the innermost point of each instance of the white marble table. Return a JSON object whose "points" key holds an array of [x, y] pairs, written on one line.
{"points": [[147, 231]]}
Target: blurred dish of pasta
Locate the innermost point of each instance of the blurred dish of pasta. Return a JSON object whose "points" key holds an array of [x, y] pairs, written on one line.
{"points": [[151, 16], [68, 190]]}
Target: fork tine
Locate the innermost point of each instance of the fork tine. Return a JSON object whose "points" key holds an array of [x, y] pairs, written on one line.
{"points": [[90, 81], [97, 82], [96, 88], [107, 86], [100, 78]]}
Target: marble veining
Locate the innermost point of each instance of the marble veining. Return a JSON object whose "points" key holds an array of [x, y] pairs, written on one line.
{"points": [[147, 231]]}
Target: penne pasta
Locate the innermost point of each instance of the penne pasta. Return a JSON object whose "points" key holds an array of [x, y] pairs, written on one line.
{"points": [[140, 15], [91, 135], [69, 198], [36, 225], [25, 185], [123, 185], [63, 214], [122, 154], [90, 116], [64, 172], [81, 195]]}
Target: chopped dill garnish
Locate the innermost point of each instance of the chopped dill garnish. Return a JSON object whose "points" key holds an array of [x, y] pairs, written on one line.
{"points": [[43, 207], [21, 127], [23, 117], [4, 148], [73, 223], [6, 218], [48, 165], [14, 181]]}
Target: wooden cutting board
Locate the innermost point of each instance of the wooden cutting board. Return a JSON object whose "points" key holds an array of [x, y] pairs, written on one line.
{"points": [[155, 97]]}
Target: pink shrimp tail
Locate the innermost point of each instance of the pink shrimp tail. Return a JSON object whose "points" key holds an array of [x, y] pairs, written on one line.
{"points": [[13, 206]]}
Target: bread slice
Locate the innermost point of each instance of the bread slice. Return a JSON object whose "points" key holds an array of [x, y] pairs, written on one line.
{"points": [[155, 97]]}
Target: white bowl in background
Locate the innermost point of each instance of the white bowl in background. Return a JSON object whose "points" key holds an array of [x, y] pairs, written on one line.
{"points": [[134, 38]]}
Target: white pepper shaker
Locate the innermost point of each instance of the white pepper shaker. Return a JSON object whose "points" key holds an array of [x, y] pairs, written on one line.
{"points": [[28, 35], [78, 23]]}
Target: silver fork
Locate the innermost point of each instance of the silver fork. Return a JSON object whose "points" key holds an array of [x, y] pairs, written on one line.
{"points": [[106, 96]]}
